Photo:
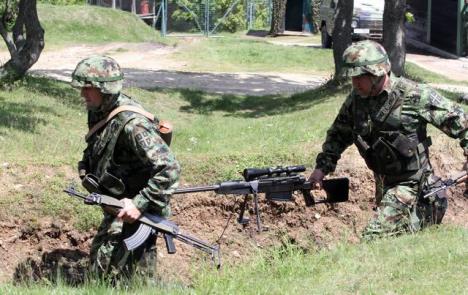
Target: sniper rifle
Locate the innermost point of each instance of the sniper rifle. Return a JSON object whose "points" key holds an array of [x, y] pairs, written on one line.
{"points": [[278, 184]]}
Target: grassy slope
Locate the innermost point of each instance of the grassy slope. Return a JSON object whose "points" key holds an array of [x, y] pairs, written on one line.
{"points": [[232, 54], [91, 24], [432, 262], [42, 123]]}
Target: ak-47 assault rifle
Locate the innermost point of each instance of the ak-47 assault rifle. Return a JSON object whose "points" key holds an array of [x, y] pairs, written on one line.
{"points": [[278, 184], [441, 185], [149, 224]]}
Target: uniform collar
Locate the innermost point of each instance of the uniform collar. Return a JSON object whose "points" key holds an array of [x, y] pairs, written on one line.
{"points": [[393, 82]]}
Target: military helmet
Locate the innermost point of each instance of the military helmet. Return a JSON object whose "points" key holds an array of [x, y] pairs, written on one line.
{"points": [[101, 72], [366, 57]]}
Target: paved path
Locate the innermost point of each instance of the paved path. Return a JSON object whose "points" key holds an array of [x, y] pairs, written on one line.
{"points": [[224, 83], [149, 65]]}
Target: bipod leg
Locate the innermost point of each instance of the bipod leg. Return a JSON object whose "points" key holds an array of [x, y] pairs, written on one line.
{"points": [[241, 219], [257, 214]]}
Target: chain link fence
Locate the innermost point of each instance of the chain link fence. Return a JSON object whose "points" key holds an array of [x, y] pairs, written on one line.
{"points": [[205, 17]]}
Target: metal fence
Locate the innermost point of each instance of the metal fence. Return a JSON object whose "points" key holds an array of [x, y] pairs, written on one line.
{"points": [[205, 17]]}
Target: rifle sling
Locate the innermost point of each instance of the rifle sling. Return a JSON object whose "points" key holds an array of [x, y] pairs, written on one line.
{"points": [[114, 113]]}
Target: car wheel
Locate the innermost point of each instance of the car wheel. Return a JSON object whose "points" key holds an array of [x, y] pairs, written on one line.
{"points": [[326, 39]]}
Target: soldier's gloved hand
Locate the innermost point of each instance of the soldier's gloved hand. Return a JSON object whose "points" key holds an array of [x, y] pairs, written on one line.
{"points": [[316, 178], [129, 213]]}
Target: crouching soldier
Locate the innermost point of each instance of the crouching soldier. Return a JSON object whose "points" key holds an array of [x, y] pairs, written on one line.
{"points": [[386, 118], [126, 158]]}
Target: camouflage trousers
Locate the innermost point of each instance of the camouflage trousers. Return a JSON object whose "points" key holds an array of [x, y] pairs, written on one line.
{"points": [[401, 210], [109, 258]]}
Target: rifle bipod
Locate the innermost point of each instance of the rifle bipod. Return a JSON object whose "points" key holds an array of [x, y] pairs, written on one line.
{"points": [[244, 221]]}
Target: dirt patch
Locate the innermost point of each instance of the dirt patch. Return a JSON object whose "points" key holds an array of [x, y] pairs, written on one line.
{"points": [[37, 248]]}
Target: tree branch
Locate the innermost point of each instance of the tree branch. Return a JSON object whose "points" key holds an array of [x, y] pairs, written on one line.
{"points": [[8, 40]]}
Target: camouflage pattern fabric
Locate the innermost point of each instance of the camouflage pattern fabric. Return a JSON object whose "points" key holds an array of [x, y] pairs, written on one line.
{"points": [[366, 57], [101, 72], [130, 149], [110, 261], [401, 209]]}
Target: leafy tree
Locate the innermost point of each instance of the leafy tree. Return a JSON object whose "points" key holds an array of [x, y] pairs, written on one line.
{"points": [[24, 37]]}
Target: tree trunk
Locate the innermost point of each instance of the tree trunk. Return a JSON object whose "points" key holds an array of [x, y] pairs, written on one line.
{"points": [[341, 34], [25, 42], [277, 17], [394, 34]]}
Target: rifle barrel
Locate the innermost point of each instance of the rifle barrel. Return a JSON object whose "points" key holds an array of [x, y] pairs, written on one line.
{"points": [[196, 189]]}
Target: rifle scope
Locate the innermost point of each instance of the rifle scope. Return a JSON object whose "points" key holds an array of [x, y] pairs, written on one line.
{"points": [[254, 173]]}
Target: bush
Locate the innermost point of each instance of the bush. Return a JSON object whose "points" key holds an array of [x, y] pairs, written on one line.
{"points": [[236, 20]]}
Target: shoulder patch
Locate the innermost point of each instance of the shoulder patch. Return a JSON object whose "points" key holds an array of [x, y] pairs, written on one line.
{"points": [[144, 138], [435, 98]]}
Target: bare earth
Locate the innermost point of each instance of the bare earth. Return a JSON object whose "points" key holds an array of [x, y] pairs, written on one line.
{"points": [[34, 248]]}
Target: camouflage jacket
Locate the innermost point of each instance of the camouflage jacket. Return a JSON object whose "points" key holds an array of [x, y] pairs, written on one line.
{"points": [[129, 149], [360, 121]]}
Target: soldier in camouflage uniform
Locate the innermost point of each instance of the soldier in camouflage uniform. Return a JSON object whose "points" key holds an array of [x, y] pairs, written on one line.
{"points": [[130, 161], [386, 117]]}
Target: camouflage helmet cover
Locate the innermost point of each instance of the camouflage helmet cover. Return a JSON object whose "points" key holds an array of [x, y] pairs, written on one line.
{"points": [[366, 57], [101, 72]]}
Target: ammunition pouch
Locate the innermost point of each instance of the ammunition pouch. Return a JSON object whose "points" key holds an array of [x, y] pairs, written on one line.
{"points": [[107, 184], [393, 154]]}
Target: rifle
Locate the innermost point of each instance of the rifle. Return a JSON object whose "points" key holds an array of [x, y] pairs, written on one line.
{"points": [[444, 184], [150, 223], [278, 184]]}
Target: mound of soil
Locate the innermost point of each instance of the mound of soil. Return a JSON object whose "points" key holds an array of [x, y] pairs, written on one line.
{"points": [[40, 250]]}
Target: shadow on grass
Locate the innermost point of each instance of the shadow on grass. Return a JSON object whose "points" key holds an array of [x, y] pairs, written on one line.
{"points": [[21, 116], [255, 106], [61, 91]]}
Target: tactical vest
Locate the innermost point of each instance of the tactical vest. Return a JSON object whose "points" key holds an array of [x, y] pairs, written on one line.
{"points": [[390, 137], [115, 179]]}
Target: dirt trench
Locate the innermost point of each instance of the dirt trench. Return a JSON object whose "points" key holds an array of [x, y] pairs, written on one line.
{"points": [[36, 250]]}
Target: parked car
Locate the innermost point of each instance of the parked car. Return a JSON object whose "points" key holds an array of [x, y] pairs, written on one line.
{"points": [[367, 20]]}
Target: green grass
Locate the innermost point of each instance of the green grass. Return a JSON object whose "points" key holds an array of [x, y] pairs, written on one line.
{"points": [[231, 54], [43, 122], [75, 24], [419, 74], [431, 262]]}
